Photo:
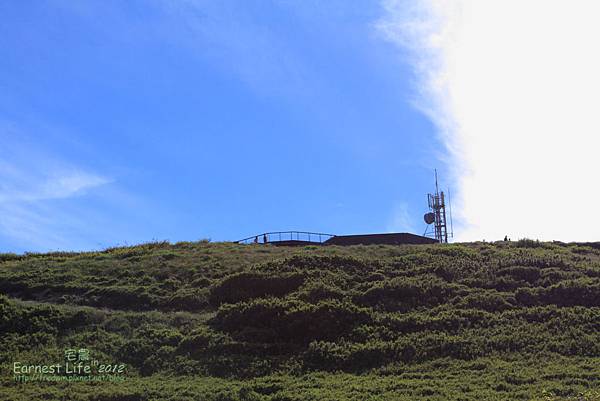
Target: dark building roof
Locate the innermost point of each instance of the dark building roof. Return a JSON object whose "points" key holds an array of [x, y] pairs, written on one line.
{"points": [[390, 239]]}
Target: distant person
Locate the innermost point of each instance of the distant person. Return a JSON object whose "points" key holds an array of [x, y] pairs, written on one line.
{"points": [[256, 239], [505, 238], [265, 238]]}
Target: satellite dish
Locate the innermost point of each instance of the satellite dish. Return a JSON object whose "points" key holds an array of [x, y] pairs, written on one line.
{"points": [[429, 217]]}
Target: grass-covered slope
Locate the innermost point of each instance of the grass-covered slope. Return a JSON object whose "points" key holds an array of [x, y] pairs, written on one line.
{"points": [[204, 321]]}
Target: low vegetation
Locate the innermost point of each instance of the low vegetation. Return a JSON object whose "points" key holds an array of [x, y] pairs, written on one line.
{"points": [[220, 321]]}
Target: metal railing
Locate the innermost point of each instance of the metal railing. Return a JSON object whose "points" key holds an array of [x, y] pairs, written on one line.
{"points": [[279, 236]]}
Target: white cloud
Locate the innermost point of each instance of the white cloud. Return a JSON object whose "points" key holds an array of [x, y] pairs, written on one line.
{"points": [[57, 185], [513, 87], [71, 184], [32, 184]]}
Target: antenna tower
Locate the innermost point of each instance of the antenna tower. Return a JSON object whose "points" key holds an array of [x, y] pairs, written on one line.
{"points": [[436, 217]]}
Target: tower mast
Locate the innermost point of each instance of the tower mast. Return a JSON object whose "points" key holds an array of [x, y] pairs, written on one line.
{"points": [[437, 214]]}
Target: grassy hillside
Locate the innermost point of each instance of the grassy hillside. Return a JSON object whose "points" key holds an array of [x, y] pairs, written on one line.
{"points": [[218, 321]]}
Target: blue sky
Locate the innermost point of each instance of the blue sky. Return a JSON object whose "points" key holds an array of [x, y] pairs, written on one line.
{"points": [[123, 122], [130, 121]]}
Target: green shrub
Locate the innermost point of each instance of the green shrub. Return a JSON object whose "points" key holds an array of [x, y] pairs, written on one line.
{"points": [[199, 340], [356, 357], [121, 297], [118, 324], [188, 300], [523, 273], [325, 355], [316, 292], [135, 351], [393, 322], [159, 360], [528, 243], [247, 286], [274, 320], [159, 336], [5, 257], [583, 292], [403, 294], [489, 300]]}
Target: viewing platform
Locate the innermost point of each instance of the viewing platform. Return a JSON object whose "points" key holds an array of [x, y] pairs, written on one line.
{"points": [[288, 238], [300, 238]]}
